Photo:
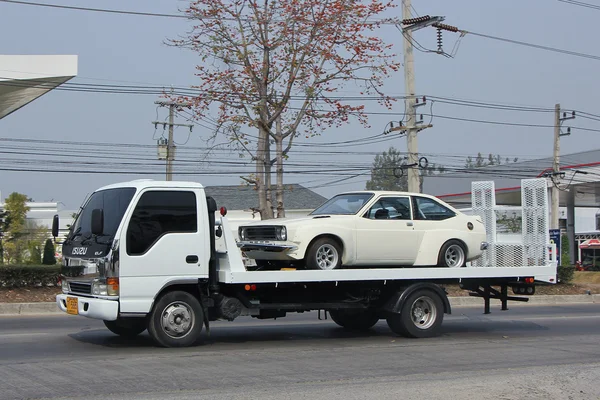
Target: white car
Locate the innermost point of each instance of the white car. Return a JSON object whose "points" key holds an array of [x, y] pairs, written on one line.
{"points": [[370, 229]]}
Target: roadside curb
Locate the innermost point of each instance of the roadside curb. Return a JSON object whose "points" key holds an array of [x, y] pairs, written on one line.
{"points": [[459, 301]]}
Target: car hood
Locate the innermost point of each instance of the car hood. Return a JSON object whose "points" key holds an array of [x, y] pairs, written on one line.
{"points": [[296, 221]]}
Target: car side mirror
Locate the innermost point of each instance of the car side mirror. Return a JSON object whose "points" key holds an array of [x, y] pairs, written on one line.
{"points": [[97, 221], [55, 226]]}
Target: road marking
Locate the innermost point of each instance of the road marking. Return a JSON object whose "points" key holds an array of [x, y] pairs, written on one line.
{"points": [[9, 335]]}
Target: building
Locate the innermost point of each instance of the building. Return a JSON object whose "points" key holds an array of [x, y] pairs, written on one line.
{"points": [[579, 197]]}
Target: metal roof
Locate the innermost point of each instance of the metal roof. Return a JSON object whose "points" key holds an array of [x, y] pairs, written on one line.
{"points": [[582, 175], [242, 197], [25, 78]]}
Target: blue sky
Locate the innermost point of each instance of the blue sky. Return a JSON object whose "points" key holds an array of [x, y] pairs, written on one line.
{"points": [[126, 49]]}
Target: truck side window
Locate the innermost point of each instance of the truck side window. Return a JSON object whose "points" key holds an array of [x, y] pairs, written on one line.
{"points": [[158, 213]]}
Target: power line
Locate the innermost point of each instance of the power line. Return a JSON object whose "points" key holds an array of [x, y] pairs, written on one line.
{"points": [[101, 10], [581, 4], [536, 46]]}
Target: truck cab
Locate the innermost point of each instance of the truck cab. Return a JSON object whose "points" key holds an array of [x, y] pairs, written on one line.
{"points": [[129, 241]]}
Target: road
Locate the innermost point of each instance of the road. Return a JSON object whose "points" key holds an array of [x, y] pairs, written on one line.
{"points": [[529, 352]]}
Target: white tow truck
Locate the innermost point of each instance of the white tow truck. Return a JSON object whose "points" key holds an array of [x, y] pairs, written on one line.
{"points": [[144, 255]]}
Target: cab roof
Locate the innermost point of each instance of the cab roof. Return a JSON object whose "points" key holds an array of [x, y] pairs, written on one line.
{"points": [[151, 183]]}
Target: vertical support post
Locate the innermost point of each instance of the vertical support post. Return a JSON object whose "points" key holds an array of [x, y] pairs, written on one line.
{"points": [[555, 170], [486, 300], [573, 254], [411, 115], [504, 297], [169, 174]]}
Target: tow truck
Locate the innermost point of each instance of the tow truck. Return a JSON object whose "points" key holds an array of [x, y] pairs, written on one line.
{"points": [[160, 256]]}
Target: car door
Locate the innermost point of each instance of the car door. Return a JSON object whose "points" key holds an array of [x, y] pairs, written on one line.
{"points": [[385, 235], [431, 216], [162, 240]]}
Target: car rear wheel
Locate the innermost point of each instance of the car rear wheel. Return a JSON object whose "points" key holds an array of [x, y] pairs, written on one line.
{"points": [[452, 255], [324, 254]]}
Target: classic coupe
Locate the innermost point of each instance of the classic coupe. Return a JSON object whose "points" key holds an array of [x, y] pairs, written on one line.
{"points": [[368, 229]]}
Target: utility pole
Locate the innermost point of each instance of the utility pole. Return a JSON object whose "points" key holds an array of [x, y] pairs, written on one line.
{"points": [[555, 193], [411, 102], [170, 156]]}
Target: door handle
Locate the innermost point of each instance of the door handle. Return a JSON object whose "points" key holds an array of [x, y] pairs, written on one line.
{"points": [[192, 259], [409, 223]]}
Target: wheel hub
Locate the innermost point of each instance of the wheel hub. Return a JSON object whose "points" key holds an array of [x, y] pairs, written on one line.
{"points": [[177, 320]]}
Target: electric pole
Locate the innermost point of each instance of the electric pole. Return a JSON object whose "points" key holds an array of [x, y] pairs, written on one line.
{"points": [[555, 193], [170, 156], [411, 102]]}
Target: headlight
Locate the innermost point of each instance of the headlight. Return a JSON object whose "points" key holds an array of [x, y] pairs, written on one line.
{"points": [[99, 289], [282, 233], [64, 285], [242, 233]]}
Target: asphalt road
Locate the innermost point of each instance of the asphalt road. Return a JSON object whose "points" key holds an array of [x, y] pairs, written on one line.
{"points": [[529, 352]]}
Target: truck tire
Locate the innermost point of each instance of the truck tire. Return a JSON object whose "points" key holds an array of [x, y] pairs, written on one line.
{"points": [[176, 320], [452, 255], [421, 315], [324, 254], [126, 327], [354, 320]]}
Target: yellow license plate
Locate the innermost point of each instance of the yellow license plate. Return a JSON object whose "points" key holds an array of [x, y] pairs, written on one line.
{"points": [[72, 305]]}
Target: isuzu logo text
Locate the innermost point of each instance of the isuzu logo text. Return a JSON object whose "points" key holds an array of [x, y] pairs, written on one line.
{"points": [[79, 250]]}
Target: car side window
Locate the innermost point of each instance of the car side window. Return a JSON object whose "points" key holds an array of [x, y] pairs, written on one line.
{"points": [[158, 213], [428, 209], [390, 208]]}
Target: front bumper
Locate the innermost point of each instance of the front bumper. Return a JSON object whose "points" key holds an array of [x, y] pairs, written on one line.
{"points": [[248, 246], [107, 310]]}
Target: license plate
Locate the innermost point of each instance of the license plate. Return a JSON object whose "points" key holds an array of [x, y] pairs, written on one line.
{"points": [[72, 305]]}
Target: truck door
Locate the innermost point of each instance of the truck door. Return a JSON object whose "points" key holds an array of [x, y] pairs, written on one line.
{"points": [[163, 239]]}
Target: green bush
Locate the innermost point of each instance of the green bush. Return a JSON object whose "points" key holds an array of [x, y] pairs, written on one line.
{"points": [[565, 273], [49, 257], [12, 276]]}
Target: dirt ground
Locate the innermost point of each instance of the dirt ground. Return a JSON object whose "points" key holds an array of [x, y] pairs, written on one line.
{"points": [[582, 283]]}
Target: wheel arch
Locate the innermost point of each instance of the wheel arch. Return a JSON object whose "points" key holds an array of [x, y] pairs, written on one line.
{"points": [[462, 244], [333, 236], [397, 300]]}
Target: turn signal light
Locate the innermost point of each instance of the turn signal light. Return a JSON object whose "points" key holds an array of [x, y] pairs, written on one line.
{"points": [[223, 211], [529, 280], [112, 286], [250, 287]]}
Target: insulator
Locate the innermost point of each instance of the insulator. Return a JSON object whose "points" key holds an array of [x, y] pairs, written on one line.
{"points": [[411, 21], [439, 40]]}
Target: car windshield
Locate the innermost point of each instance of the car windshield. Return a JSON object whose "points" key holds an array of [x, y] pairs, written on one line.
{"points": [[343, 204], [113, 202]]}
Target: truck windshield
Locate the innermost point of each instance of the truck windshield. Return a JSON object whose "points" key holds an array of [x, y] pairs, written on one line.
{"points": [[113, 202], [343, 204]]}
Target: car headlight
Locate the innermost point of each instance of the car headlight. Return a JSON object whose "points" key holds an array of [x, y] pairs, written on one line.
{"points": [[281, 233], [242, 233]]}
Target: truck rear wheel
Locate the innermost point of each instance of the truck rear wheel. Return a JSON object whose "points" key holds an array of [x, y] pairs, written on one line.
{"points": [[176, 320], [354, 320], [126, 327], [421, 315]]}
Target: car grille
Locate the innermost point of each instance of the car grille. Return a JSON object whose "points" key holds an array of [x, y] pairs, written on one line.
{"points": [[260, 233], [78, 287]]}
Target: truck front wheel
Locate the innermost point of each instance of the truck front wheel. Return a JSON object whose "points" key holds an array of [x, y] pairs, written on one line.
{"points": [[420, 316], [354, 320], [176, 320], [126, 327]]}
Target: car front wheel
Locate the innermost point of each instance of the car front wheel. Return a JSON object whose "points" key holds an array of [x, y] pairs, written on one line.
{"points": [[324, 254]]}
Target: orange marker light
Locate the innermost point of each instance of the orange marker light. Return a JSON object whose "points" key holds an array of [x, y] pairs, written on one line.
{"points": [[247, 287]]}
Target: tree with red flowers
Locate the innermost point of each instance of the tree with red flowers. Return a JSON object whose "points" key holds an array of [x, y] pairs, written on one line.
{"points": [[271, 70]]}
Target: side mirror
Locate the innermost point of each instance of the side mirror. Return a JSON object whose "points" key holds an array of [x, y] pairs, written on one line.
{"points": [[97, 221], [55, 226]]}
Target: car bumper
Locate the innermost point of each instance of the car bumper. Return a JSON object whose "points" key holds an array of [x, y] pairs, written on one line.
{"points": [[249, 246], [90, 307]]}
